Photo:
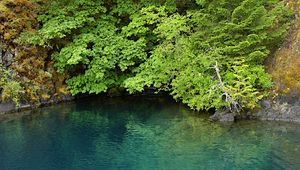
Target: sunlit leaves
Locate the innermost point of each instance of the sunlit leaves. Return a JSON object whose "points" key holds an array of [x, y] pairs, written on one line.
{"points": [[63, 17], [237, 36], [172, 27], [169, 45], [103, 54]]}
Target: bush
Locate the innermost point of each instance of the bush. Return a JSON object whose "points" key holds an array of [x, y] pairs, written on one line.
{"points": [[208, 54], [10, 88]]}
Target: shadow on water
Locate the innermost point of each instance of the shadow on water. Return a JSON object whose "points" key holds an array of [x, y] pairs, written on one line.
{"points": [[142, 133]]}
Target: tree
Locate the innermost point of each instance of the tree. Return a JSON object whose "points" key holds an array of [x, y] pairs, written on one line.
{"points": [[170, 45], [238, 35]]}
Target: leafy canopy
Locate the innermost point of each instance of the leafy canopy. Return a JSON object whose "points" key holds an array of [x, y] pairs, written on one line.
{"points": [[208, 54]]}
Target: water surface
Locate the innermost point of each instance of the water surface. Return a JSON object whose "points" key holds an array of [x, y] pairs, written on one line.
{"points": [[142, 133]]}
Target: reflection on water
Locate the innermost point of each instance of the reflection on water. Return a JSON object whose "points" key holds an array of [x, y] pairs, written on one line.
{"points": [[142, 133]]}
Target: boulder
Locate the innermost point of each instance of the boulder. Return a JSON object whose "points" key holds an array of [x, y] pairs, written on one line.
{"points": [[223, 115]]}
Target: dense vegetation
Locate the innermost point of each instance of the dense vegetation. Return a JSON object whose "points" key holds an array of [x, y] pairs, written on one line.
{"points": [[208, 54], [29, 76], [10, 88]]}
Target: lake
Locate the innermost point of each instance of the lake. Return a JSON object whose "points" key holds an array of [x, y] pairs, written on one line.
{"points": [[142, 133]]}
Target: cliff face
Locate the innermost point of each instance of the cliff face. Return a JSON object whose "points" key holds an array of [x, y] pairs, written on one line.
{"points": [[28, 66], [284, 65]]}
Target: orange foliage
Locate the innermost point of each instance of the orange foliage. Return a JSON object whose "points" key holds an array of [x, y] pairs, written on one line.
{"points": [[16, 16]]}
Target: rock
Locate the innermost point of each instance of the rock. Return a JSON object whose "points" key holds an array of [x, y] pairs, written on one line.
{"points": [[7, 107], [223, 115], [280, 109], [10, 107], [115, 92], [228, 117], [265, 104], [24, 107], [1, 50], [56, 99], [7, 59]]}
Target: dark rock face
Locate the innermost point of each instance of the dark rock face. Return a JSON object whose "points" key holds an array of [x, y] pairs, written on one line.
{"points": [[1, 50], [115, 92], [2, 53], [7, 107], [10, 107], [281, 109], [223, 115], [6, 57]]}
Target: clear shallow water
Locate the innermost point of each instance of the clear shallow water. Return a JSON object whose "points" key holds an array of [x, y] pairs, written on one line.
{"points": [[142, 133]]}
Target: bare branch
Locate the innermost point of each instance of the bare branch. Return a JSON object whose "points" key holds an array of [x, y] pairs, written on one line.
{"points": [[234, 106]]}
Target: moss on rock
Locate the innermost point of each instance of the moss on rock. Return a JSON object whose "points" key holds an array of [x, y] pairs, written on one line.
{"points": [[32, 66], [284, 65]]}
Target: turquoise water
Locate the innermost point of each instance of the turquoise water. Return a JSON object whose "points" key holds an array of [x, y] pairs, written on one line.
{"points": [[142, 133]]}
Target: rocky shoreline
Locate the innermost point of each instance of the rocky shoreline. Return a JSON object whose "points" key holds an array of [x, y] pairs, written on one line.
{"points": [[9, 109], [285, 109], [281, 109]]}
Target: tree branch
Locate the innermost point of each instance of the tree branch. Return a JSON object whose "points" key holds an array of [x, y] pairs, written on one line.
{"points": [[234, 106]]}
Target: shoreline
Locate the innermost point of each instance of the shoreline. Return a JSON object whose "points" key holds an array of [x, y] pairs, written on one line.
{"points": [[282, 109]]}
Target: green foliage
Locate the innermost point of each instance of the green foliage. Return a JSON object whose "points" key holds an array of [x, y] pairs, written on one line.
{"points": [[239, 36], [103, 53], [97, 49], [170, 45], [61, 17], [10, 89]]}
